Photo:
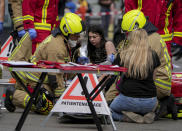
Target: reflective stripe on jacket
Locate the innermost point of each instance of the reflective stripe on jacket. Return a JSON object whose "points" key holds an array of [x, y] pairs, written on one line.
{"points": [[162, 74], [41, 15], [167, 18], [16, 14]]}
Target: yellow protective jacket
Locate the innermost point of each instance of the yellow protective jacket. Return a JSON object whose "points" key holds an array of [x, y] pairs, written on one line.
{"points": [[51, 49], [23, 50], [16, 14], [162, 74]]}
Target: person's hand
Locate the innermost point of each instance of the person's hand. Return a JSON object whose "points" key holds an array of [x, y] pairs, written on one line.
{"points": [[176, 51], [1, 27], [32, 33], [21, 33], [83, 60]]}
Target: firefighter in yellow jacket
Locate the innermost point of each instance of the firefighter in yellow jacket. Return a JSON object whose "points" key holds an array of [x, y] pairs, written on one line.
{"points": [[54, 48], [15, 10], [162, 75]]}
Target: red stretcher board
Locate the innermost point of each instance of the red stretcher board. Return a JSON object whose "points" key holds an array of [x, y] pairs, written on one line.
{"points": [[74, 66], [63, 66], [176, 88]]}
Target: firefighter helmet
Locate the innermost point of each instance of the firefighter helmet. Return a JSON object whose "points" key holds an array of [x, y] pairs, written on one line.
{"points": [[132, 20], [71, 24]]}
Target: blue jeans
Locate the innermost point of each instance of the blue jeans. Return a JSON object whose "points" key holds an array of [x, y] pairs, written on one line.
{"points": [[137, 105]]}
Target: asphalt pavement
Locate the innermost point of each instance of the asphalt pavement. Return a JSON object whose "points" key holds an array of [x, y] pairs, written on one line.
{"points": [[8, 122]]}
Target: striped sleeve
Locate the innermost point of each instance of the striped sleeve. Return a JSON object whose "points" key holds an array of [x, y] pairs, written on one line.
{"points": [[28, 10], [177, 22]]}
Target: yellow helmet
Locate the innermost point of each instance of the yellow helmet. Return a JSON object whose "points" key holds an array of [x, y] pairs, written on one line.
{"points": [[133, 19], [71, 24]]}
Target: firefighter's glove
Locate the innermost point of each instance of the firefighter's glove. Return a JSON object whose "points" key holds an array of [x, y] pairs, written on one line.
{"points": [[32, 33], [41, 101], [176, 51], [1, 27], [83, 60], [43, 105], [52, 81], [21, 33]]}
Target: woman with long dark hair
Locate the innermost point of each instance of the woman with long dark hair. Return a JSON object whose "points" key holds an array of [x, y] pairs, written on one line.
{"points": [[100, 51]]}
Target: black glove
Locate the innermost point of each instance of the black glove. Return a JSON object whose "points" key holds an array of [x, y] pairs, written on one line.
{"points": [[42, 104], [52, 81], [176, 51]]}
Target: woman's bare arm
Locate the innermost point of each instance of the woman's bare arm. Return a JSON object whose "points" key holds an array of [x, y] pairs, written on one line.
{"points": [[110, 48]]}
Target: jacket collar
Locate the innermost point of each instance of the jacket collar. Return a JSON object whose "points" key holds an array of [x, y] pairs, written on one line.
{"points": [[150, 28], [56, 32]]}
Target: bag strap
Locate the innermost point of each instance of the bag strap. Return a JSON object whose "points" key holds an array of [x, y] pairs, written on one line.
{"points": [[169, 2]]}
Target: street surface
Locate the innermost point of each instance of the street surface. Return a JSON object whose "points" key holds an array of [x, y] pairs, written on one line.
{"points": [[8, 122]]}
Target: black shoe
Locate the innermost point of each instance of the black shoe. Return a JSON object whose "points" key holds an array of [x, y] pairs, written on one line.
{"points": [[161, 110], [167, 106], [171, 107], [8, 101]]}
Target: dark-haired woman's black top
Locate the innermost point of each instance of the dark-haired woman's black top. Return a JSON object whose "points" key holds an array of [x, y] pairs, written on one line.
{"points": [[99, 55]]}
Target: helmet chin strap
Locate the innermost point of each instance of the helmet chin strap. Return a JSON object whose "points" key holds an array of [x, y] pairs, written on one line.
{"points": [[67, 24], [136, 26], [134, 20]]}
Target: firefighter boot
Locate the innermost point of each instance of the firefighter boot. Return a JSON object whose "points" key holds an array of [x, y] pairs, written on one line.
{"points": [[171, 107], [161, 109], [8, 101], [43, 105], [166, 106]]}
